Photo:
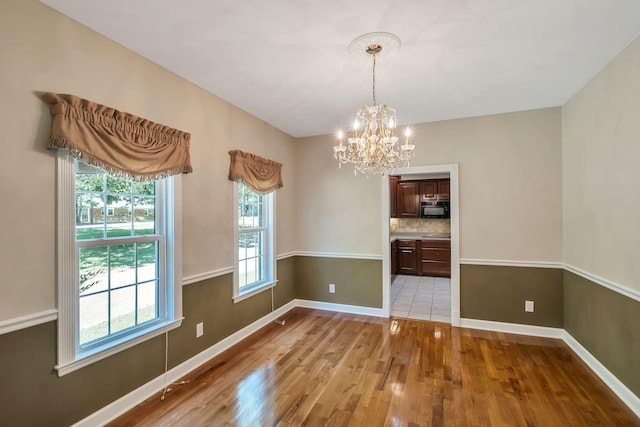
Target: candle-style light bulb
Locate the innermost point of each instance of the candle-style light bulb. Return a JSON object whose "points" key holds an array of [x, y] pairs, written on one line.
{"points": [[355, 128]]}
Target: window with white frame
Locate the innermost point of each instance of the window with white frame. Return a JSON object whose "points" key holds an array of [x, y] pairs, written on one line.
{"points": [[254, 255], [119, 275]]}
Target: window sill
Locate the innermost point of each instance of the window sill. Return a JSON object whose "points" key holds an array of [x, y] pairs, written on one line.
{"points": [[104, 352], [254, 290]]}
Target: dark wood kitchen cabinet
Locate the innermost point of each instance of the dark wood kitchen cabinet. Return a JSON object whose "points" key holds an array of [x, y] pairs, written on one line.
{"points": [[393, 196], [434, 190], [435, 258], [428, 190], [408, 195], [407, 257], [405, 196], [444, 189]]}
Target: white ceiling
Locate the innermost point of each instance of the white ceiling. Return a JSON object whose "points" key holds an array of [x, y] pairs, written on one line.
{"points": [[286, 61]]}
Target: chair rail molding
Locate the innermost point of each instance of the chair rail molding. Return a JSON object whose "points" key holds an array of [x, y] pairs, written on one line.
{"points": [[27, 321]]}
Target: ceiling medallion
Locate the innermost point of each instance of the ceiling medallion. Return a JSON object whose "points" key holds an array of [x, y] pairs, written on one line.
{"points": [[373, 149]]}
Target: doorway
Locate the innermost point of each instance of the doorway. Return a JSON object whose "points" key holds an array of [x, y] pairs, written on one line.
{"points": [[452, 170]]}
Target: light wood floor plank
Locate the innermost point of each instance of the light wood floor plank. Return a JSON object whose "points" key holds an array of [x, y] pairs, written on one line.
{"points": [[335, 369]]}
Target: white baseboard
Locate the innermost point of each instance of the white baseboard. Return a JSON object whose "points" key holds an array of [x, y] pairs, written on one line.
{"points": [[341, 308], [621, 390], [128, 401], [513, 328]]}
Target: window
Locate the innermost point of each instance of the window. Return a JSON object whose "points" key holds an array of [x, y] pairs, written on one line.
{"points": [[118, 283], [254, 263]]}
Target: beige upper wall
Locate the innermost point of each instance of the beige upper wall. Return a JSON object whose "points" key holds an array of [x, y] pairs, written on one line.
{"points": [[337, 211], [510, 188], [509, 182], [43, 50], [601, 149]]}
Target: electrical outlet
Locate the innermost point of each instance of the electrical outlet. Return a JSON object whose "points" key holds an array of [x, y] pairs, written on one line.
{"points": [[528, 306], [199, 329], [332, 288]]}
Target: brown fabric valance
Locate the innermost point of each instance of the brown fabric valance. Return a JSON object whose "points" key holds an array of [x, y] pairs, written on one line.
{"points": [[118, 142], [261, 174]]}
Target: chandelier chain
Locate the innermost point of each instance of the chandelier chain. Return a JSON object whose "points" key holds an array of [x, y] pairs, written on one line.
{"points": [[374, 79]]}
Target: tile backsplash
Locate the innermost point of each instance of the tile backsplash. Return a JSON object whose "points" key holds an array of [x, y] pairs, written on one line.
{"points": [[419, 225]]}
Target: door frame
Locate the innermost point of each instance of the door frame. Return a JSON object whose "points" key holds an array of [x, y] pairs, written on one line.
{"points": [[454, 203]]}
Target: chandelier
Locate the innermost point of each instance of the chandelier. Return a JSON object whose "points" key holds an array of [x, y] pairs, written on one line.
{"points": [[373, 148]]}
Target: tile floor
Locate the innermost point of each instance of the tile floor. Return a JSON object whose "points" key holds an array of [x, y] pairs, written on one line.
{"points": [[421, 297]]}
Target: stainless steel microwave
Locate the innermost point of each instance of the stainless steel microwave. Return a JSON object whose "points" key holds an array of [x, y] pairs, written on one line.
{"points": [[434, 210]]}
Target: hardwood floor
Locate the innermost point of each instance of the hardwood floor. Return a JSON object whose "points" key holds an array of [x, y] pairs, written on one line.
{"points": [[335, 369]]}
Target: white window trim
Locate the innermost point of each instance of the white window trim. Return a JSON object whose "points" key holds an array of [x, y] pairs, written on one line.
{"points": [[68, 358], [270, 250]]}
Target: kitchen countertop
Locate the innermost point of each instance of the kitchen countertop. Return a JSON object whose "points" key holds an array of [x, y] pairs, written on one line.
{"points": [[415, 235]]}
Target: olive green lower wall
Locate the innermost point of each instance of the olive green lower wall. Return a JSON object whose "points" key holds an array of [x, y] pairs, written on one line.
{"points": [[358, 281], [32, 394], [498, 293], [606, 323], [211, 302]]}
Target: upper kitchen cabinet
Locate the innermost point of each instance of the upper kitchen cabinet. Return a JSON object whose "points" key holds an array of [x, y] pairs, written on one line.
{"points": [[444, 189], [393, 196], [434, 189], [408, 196], [429, 190]]}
